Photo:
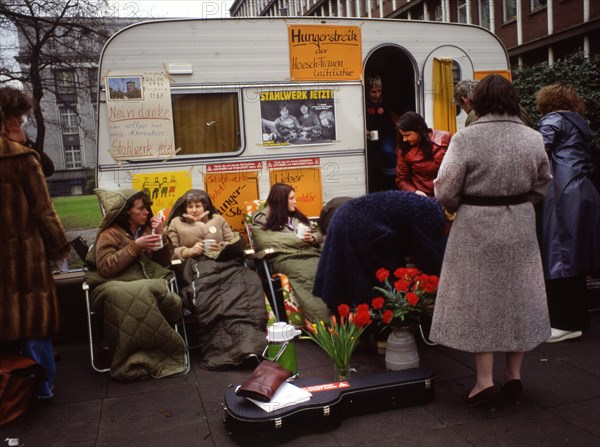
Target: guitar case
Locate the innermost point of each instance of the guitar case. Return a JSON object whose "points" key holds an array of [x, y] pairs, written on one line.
{"points": [[249, 425]]}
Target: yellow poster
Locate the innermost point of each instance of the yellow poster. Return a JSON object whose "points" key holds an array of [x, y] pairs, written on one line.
{"points": [[325, 52], [164, 188], [479, 75], [228, 192], [307, 186]]}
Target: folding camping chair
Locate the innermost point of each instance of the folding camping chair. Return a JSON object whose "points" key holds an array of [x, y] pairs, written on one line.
{"points": [[94, 320], [277, 287]]}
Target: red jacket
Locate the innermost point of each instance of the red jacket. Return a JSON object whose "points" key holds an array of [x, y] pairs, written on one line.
{"points": [[414, 172]]}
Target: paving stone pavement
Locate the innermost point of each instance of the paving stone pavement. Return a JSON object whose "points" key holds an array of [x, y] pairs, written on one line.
{"points": [[560, 404]]}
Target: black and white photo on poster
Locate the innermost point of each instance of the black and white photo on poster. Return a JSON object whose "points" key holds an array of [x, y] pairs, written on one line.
{"points": [[297, 117]]}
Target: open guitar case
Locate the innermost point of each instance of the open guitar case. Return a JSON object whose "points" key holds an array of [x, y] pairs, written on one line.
{"points": [[249, 425]]}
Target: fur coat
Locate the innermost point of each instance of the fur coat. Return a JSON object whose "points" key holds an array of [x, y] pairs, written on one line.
{"points": [[32, 235], [491, 295]]}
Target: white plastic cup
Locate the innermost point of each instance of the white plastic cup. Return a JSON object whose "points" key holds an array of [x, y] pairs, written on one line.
{"points": [[160, 243], [301, 230], [209, 244], [374, 135]]}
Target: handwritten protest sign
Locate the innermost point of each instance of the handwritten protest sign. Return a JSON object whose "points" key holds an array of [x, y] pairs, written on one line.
{"points": [[228, 192], [305, 180], [325, 52], [140, 116]]}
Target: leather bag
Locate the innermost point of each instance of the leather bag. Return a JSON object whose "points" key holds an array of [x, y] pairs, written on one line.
{"points": [[18, 377], [264, 381]]}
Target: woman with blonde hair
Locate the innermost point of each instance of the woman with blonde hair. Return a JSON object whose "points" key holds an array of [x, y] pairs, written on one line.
{"points": [[570, 215]]}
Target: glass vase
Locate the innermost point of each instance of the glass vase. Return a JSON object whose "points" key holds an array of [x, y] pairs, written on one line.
{"points": [[341, 372]]}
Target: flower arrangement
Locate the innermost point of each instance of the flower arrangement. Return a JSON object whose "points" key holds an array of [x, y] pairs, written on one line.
{"points": [[339, 337], [404, 299]]}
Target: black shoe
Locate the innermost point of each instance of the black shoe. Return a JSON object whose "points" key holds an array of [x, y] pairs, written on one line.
{"points": [[511, 391], [488, 397]]}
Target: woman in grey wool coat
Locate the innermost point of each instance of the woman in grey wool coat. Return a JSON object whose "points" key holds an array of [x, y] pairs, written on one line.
{"points": [[491, 296]]}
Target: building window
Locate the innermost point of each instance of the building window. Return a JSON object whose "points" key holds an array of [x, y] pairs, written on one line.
{"points": [[65, 82], [538, 4], [461, 5], [52, 46], [68, 120], [438, 14], [509, 10], [73, 157], [484, 13], [76, 190]]}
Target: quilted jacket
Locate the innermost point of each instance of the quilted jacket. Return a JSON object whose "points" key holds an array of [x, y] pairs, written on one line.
{"points": [[131, 294]]}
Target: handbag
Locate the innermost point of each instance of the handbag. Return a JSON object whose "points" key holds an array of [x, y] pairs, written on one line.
{"points": [[264, 381], [18, 377]]}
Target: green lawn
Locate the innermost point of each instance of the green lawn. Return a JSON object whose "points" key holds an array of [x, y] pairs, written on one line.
{"points": [[78, 212]]}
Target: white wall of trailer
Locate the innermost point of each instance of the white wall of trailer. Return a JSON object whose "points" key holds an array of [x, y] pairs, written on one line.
{"points": [[251, 55]]}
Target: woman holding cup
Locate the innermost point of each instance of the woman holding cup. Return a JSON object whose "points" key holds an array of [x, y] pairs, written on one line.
{"points": [[127, 278], [282, 228], [195, 227], [225, 295]]}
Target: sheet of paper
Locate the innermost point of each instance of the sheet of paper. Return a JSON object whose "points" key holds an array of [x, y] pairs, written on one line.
{"points": [[286, 396]]}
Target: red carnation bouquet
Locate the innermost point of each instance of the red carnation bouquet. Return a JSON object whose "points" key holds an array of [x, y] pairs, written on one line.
{"points": [[406, 296], [340, 335]]}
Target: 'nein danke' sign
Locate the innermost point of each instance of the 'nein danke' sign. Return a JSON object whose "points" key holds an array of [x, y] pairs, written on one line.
{"points": [[140, 116]]}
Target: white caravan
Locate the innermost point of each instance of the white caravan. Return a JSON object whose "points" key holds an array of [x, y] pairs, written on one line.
{"points": [[194, 103]]}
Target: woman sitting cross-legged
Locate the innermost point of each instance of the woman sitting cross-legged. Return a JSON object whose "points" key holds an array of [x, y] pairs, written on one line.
{"points": [[276, 227], [226, 297], [130, 289]]}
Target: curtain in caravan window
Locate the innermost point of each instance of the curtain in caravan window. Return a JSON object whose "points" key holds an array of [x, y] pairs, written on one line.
{"points": [[206, 123], [444, 114]]}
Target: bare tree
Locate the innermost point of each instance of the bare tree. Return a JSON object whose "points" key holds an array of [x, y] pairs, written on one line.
{"points": [[56, 34]]}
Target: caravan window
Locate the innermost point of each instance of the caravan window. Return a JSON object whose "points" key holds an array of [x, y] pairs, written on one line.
{"points": [[206, 123]]}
